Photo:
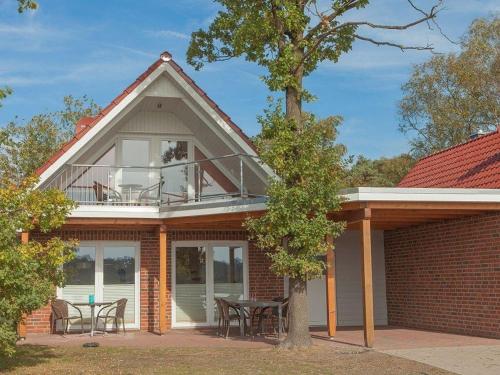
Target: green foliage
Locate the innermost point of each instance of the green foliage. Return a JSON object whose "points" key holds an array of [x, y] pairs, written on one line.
{"points": [[25, 147], [29, 272], [308, 166], [279, 35], [383, 172], [24, 5], [4, 92], [452, 96]]}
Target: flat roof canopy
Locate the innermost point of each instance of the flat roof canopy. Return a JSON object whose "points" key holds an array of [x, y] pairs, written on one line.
{"points": [[386, 208]]}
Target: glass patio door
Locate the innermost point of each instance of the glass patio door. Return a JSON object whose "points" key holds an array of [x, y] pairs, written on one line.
{"points": [[119, 277], [190, 284], [80, 282], [203, 271], [110, 271]]}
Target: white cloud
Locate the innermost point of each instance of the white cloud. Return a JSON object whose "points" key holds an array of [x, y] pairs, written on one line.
{"points": [[168, 34]]}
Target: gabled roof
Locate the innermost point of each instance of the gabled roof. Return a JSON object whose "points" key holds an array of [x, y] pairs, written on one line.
{"points": [[474, 164], [88, 123]]}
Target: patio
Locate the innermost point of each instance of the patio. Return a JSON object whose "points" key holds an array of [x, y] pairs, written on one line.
{"points": [[388, 338]]}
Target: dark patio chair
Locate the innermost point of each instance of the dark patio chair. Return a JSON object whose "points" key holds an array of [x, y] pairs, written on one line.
{"points": [[229, 316], [219, 315], [115, 312], [104, 193], [151, 193], [60, 312], [272, 314]]}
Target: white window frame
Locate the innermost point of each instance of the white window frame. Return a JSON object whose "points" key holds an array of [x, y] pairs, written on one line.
{"points": [[190, 141], [99, 275], [209, 245]]}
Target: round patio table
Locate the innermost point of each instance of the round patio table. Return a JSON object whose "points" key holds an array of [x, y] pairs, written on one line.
{"points": [[130, 188], [242, 304], [92, 312]]}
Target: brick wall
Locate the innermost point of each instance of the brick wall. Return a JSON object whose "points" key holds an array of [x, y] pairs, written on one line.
{"points": [[446, 276], [261, 280]]}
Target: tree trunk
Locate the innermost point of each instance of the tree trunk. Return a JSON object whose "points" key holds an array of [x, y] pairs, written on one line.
{"points": [[298, 306], [298, 315]]}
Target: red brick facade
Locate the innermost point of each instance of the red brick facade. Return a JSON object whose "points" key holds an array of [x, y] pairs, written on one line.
{"points": [[261, 280], [446, 276]]}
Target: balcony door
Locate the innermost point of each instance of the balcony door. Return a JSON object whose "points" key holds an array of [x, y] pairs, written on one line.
{"points": [[136, 174], [110, 271], [177, 176], [202, 271]]}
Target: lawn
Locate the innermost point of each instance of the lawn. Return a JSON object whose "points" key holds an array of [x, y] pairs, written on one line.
{"points": [[106, 360]]}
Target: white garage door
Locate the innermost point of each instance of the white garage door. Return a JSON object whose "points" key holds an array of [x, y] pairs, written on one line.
{"points": [[349, 292]]}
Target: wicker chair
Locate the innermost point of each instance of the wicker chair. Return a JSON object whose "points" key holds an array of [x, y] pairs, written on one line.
{"points": [[220, 313], [105, 313], [104, 193], [60, 312], [151, 194], [228, 316], [271, 314]]}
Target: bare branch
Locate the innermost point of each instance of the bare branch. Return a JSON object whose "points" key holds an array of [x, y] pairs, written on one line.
{"points": [[427, 16], [329, 18], [392, 44]]}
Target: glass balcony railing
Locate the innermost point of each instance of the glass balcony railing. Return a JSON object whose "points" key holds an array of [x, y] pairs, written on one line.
{"points": [[220, 178]]}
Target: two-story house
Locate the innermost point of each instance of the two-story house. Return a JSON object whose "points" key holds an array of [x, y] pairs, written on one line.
{"points": [[164, 180]]}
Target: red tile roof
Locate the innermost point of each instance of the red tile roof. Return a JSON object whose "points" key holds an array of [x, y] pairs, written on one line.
{"points": [[474, 164], [86, 123]]}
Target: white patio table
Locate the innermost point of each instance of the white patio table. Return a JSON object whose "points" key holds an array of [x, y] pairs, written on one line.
{"points": [[92, 312]]}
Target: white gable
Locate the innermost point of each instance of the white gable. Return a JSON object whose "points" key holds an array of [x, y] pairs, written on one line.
{"points": [[163, 87], [166, 83], [155, 122]]}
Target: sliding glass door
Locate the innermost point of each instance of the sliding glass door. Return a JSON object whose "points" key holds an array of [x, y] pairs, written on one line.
{"points": [[203, 271], [108, 270], [191, 284]]}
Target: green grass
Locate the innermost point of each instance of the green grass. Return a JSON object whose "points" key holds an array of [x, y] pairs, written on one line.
{"points": [[112, 360]]}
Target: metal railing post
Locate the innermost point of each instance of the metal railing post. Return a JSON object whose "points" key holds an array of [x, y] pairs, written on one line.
{"points": [[199, 181], [160, 186], [241, 176]]}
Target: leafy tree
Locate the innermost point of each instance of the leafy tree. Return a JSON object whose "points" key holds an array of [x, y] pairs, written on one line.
{"points": [[25, 147], [4, 92], [24, 5], [383, 172], [289, 38], [452, 96], [308, 164], [28, 272]]}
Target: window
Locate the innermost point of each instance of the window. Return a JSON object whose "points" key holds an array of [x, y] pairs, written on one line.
{"points": [[135, 153], [110, 271], [175, 178], [203, 271]]}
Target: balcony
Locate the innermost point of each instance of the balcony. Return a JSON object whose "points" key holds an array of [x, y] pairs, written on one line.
{"points": [[223, 178]]}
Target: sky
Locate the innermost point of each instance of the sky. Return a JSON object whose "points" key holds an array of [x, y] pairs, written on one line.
{"points": [[98, 47]]}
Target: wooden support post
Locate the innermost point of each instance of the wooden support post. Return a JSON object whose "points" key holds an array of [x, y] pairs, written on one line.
{"points": [[366, 259], [163, 279], [331, 293], [21, 327]]}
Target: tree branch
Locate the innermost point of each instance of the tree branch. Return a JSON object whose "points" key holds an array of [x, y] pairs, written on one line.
{"points": [[391, 44], [324, 20], [431, 15]]}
